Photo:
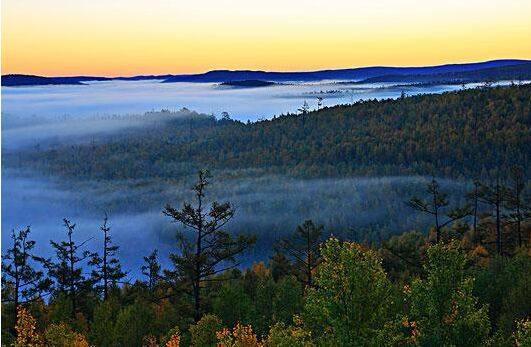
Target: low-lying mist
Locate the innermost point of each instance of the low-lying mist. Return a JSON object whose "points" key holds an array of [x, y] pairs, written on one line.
{"points": [[269, 207], [39, 132], [136, 97]]}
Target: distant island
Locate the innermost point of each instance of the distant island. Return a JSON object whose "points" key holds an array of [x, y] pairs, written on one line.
{"points": [[482, 71], [248, 83]]}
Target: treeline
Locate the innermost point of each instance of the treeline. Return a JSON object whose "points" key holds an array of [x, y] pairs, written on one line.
{"points": [[470, 133], [461, 285]]}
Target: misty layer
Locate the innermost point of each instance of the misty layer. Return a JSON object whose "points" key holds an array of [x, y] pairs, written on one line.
{"points": [[362, 209]]}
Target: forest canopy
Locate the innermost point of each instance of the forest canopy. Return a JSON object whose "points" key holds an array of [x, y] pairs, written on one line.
{"points": [[463, 134]]}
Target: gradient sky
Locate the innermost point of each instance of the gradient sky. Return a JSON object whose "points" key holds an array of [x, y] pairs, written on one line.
{"points": [[130, 37]]}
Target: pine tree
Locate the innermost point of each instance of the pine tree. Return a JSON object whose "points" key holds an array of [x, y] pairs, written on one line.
{"points": [[435, 206], [495, 196], [517, 202], [21, 282], [151, 269], [67, 270], [303, 248], [210, 249], [108, 271]]}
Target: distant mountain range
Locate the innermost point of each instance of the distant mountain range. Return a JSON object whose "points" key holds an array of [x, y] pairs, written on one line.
{"points": [[451, 73], [509, 72]]}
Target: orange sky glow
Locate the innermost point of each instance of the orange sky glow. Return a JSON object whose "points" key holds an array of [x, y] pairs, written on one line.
{"points": [[111, 38]]}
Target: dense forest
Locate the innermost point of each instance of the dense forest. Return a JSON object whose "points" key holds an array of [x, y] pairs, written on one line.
{"points": [[462, 281], [457, 285], [470, 133]]}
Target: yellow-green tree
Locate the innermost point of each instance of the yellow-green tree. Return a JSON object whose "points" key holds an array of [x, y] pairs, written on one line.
{"points": [[352, 298], [443, 308]]}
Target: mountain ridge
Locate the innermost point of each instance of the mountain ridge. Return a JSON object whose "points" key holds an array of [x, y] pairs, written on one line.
{"points": [[220, 76]]}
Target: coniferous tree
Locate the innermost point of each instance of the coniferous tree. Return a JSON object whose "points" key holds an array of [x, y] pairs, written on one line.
{"points": [[436, 205], [305, 108], [66, 270], [107, 268], [280, 266], [303, 248], [151, 269], [517, 203], [495, 196], [21, 282], [210, 249]]}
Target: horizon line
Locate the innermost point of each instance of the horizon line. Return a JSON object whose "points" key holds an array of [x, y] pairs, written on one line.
{"points": [[271, 71]]}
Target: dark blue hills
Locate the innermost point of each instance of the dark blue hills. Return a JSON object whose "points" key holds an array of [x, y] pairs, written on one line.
{"points": [[378, 73]]}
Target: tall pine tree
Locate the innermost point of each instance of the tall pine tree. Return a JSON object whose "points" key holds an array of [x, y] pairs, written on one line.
{"points": [[209, 249], [107, 270], [67, 269]]}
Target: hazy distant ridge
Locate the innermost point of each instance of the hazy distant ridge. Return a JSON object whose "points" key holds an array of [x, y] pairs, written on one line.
{"points": [[221, 76]]}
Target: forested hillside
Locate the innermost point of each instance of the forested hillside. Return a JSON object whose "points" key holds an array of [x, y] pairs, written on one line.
{"points": [[462, 280], [460, 134], [459, 285]]}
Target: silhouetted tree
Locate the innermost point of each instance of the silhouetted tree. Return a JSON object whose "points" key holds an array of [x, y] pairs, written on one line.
{"points": [[151, 269], [319, 102], [495, 196], [210, 249], [107, 269], [305, 108], [225, 116], [67, 271], [435, 206], [280, 266], [303, 248], [21, 282], [516, 202]]}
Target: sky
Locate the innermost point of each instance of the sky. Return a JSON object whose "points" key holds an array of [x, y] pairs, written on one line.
{"points": [[132, 37]]}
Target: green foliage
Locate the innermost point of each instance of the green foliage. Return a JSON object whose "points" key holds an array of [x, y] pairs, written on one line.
{"points": [[443, 307], [402, 255], [203, 333], [281, 335], [61, 335], [287, 300], [60, 309], [263, 305], [523, 333], [504, 287], [353, 297], [303, 248], [232, 305], [132, 324], [102, 328]]}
